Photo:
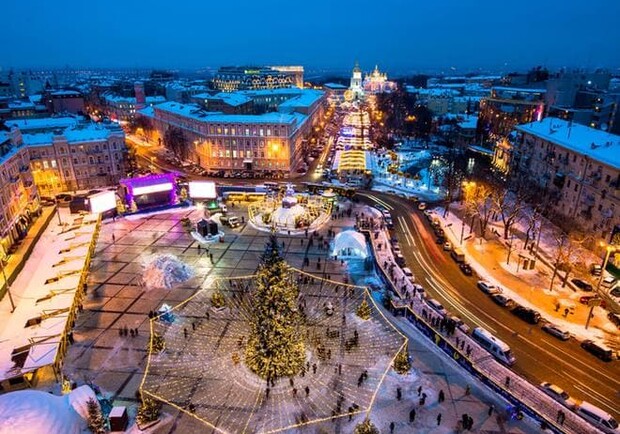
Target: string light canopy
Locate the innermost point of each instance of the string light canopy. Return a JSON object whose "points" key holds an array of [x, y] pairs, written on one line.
{"points": [[203, 370]]}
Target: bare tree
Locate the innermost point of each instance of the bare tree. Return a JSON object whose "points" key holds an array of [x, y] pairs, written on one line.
{"points": [[480, 204], [509, 205], [175, 140]]}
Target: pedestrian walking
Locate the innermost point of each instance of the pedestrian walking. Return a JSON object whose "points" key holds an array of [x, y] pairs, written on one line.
{"points": [[468, 390], [470, 422], [399, 393], [113, 239], [439, 419], [491, 410], [392, 427], [507, 382], [419, 390], [442, 396], [412, 415], [307, 390]]}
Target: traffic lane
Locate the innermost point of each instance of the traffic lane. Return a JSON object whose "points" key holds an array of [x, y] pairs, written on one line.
{"points": [[538, 354], [580, 372]]}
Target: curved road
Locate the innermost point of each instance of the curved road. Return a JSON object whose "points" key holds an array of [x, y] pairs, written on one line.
{"points": [[540, 356]]}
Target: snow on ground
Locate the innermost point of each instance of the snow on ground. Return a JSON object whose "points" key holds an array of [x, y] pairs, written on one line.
{"points": [[538, 283], [37, 412]]}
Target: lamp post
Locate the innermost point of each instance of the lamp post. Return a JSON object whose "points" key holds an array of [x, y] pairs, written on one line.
{"points": [[8, 288], [609, 249]]}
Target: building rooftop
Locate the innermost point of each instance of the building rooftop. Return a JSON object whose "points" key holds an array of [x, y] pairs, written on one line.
{"points": [[233, 99], [195, 112], [596, 144], [336, 86], [306, 99], [26, 125]]}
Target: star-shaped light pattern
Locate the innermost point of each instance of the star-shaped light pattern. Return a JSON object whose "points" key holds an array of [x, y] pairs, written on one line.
{"points": [[202, 371]]}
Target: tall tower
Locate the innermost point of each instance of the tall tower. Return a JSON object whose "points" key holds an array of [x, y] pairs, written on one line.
{"points": [[356, 81]]}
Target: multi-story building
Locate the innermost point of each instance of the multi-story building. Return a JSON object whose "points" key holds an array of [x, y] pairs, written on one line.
{"points": [[123, 109], [266, 142], [72, 154], [225, 102], [19, 201], [507, 107], [63, 101], [377, 82], [578, 166], [233, 78]]}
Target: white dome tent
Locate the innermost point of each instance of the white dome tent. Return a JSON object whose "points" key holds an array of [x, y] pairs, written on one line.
{"points": [[350, 243]]}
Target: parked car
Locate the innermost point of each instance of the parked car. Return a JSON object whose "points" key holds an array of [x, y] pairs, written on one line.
{"points": [[556, 331], [585, 299], [614, 318], [526, 314], [596, 269], [447, 246], [437, 306], [615, 292], [598, 417], [422, 206], [466, 268], [581, 284], [502, 300], [558, 394], [600, 351], [488, 288]]}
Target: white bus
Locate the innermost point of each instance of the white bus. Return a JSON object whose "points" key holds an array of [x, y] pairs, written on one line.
{"points": [[497, 348]]}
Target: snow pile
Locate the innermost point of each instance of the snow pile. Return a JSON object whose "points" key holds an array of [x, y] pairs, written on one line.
{"points": [[36, 412], [164, 271]]}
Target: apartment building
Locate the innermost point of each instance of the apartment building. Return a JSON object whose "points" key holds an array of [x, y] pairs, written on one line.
{"points": [[578, 166], [19, 201]]}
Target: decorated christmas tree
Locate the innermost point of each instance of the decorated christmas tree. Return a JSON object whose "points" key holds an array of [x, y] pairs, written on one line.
{"points": [[275, 347], [363, 310], [401, 362], [157, 343], [366, 427], [217, 299], [96, 422], [149, 410]]}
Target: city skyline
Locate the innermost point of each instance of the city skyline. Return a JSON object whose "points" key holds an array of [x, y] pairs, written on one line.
{"points": [[410, 37]]}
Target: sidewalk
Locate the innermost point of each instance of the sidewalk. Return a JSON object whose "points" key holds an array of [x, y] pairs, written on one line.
{"points": [[489, 258], [16, 261]]}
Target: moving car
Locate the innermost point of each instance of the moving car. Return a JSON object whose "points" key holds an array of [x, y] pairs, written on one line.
{"points": [[466, 269], [603, 353], [422, 206], [230, 220], [502, 300], [489, 288], [558, 394], [447, 246], [526, 314], [581, 284], [493, 345], [556, 331]]}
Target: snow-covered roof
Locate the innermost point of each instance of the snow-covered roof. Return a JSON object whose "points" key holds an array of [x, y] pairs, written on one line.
{"points": [[47, 301], [75, 134], [350, 239], [194, 111], [25, 125], [335, 86], [596, 144], [468, 122], [71, 93], [231, 98], [305, 99]]}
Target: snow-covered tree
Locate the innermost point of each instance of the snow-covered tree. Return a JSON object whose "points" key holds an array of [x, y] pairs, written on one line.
{"points": [[148, 411], [275, 347], [96, 421], [401, 362], [366, 427], [363, 310]]}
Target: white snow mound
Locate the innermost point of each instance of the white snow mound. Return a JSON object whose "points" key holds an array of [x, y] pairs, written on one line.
{"points": [[36, 412], [164, 271]]}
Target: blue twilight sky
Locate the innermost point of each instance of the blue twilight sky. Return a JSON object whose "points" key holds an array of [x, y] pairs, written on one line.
{"points": [[403, 35]]}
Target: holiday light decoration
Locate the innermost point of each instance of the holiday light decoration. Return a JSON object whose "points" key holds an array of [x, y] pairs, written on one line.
{"points": [[271, 358]]}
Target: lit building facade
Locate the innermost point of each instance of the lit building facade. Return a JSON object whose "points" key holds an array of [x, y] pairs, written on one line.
{"points": [[268, 142], [234, 78], [507, 107], [19, 201], [377, 82], [579, 168], [356, 86], [67, 154]]}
